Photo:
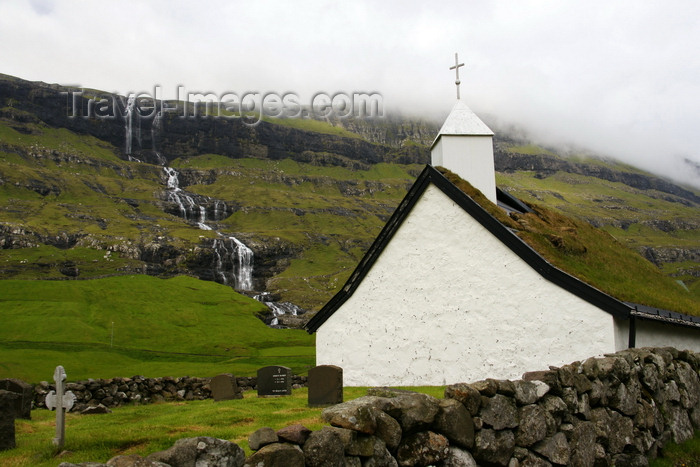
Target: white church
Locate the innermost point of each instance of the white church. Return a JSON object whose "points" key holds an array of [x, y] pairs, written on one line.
{"points": [[447, 293]]}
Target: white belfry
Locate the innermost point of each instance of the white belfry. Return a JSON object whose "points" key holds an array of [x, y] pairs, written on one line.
{"points": [[464, 146]]}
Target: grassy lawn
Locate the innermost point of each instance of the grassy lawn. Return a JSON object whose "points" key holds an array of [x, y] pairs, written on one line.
{"points": [[150, 428], [683, 455], [139, 325]]}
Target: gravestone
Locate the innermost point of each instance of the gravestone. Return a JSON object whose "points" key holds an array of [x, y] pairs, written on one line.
{"points": [[25, 390], [223, 388], [274, 381], [62, 402], [8, 412], [325, 385]]}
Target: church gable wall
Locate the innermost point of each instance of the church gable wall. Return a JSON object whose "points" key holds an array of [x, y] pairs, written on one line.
{"points": [[446, 301]]}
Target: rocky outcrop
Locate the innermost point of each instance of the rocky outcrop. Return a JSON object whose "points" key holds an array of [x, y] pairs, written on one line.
{"points": [[659, 256]]}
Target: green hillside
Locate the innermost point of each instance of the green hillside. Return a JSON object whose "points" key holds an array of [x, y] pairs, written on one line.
{"points": [[307, 197], [139, 325]]}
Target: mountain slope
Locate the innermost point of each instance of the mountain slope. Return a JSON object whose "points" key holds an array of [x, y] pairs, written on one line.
{"points": [[306, 197]]}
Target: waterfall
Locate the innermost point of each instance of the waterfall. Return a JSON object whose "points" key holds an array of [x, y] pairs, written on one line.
{"points": [[129, 123], [130, 113], [155, 128], [244, 278], [232, 258], [230, 250], [278, 308]]}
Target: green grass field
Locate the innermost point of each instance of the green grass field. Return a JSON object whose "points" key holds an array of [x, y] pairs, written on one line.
{"points": [[139, 325], [150, 428]]}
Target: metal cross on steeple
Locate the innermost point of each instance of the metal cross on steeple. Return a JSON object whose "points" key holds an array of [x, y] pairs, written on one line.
{"points": [[456, 69]]}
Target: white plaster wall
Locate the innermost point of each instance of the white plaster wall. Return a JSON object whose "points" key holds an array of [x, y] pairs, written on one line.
{"points": [[447, 302], [470, 157], [622, 334], [657, 334]]}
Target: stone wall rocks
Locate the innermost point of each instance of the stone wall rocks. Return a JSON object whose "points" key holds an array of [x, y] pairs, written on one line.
{"points": [[141, 390], [619, 410]]}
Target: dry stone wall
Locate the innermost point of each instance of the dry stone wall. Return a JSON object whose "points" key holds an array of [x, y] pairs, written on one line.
{"points": [[619, 410], [140, 390], [616, 410]]}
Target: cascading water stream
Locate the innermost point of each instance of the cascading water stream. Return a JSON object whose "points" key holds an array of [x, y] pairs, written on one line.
{"points": [[227, 249], [232, 259], [278, 308], [130, 114]]}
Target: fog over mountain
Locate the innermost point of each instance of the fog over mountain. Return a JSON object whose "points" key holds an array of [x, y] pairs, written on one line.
{"points": [[619, 78]]}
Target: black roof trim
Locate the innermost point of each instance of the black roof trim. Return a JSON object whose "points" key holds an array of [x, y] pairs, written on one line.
{"points": [[429, 175], [511, 201], [657, 314]]}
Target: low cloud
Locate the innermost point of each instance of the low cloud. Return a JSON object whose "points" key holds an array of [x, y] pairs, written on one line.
{"points": [[620, 78]]}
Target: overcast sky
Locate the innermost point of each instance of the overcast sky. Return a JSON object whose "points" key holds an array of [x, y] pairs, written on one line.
{"points": [[618, 77]]}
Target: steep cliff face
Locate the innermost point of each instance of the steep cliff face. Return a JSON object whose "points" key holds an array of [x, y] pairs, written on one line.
{"points": [[159, 136], [544, 164]]}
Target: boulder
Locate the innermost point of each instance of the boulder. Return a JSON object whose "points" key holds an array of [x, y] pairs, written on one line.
{"points": [[202, 451], [133, 460], [630, 460], [362, 445], [679, 423], [621, 433], [494, 447], [467, 395], [423, 448], [357, 415], [582, 444], [487, 387], [295, 434], [414, 411], [453, 421], [624, 399], [98, 409], [324, 449], [388, 430], [262, 437], [381, 457], [555, 448], [499, 412], [457, 457], [277, 455], [532, 427], [525, 392]]}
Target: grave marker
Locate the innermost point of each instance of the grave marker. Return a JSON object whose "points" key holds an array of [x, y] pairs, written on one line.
{"points": [[26, 392], [62, 402], [8, 411], [325, 385], [274, 381], [223, 388]]}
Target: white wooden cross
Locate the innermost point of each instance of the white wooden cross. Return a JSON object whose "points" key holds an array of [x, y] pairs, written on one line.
{"points": [[60, 401], [456, 69]]}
